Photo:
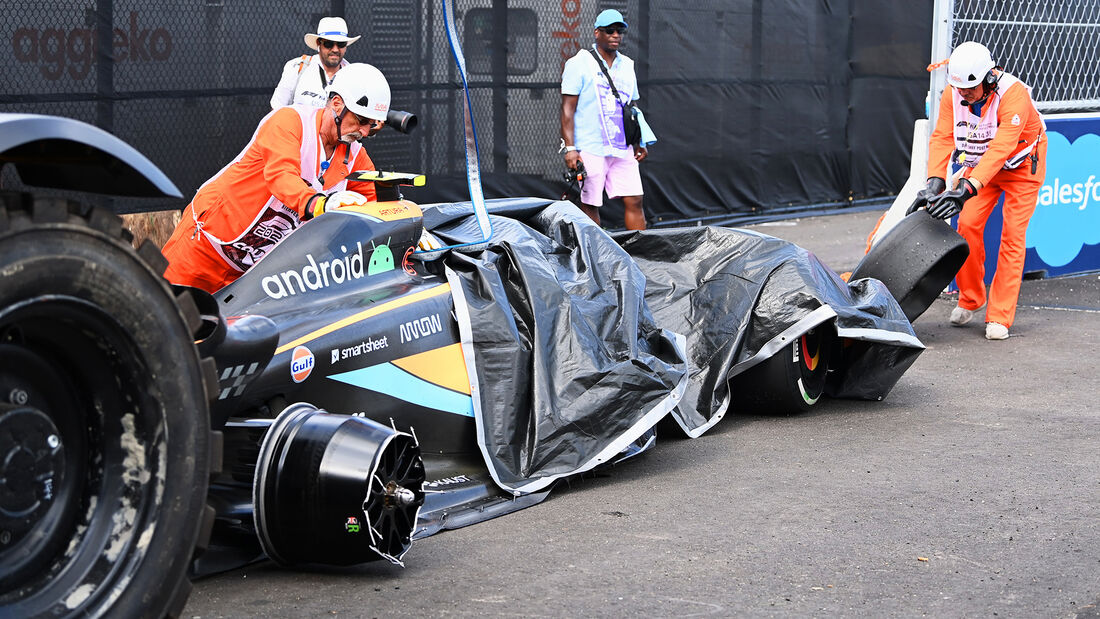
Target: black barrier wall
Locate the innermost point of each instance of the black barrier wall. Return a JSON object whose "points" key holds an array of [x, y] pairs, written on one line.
{"points": [[760, 106]]}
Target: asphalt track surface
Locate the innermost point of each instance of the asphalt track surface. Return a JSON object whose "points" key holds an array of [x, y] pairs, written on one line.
{"points": [[973, 489]]}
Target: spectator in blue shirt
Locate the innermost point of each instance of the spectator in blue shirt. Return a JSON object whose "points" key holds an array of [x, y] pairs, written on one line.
{"points": [[592, 122]]}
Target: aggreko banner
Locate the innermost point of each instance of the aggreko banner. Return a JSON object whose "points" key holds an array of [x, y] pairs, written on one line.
{"points": [[760, 107]]}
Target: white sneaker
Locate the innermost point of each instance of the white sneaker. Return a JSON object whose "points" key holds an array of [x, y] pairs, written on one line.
{"points": [[960, 316], [995, 331]]}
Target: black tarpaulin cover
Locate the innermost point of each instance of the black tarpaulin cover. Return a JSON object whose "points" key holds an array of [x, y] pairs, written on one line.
{"points": [[740, 296], [573, 354], [566, 361]]}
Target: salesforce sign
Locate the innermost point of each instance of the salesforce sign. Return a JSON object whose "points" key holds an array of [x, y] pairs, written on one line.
{"points": [[1063, 236], [1065, 229]]}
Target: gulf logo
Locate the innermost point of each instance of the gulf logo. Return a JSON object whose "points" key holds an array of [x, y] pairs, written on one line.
{"points": [[301, 364]]}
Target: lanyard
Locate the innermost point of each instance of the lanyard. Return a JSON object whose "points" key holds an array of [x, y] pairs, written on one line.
{"points": [[970, 132]]}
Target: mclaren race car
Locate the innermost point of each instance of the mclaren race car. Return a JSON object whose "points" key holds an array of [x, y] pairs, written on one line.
{"points": [[357, 389]]}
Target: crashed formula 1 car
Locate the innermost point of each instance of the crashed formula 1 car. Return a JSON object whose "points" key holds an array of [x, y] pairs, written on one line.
{"points": [[345, 397]]}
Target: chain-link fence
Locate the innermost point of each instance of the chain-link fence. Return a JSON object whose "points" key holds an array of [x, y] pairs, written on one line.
{"points": [[1052, 46], [760, 106]]}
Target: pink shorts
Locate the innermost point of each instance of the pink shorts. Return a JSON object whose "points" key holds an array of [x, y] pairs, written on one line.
{"points": [[620, 177]]}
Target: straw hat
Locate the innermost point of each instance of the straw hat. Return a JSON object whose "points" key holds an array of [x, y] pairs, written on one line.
{"points": [[330, 29]]}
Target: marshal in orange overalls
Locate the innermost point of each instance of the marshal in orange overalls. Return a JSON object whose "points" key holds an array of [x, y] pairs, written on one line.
{"points": [[258, 199], [1004, 148]]}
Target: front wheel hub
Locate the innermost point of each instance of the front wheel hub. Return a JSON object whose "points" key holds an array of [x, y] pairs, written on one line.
{"points": [[336, 489], [397, 496], [32, 469]]}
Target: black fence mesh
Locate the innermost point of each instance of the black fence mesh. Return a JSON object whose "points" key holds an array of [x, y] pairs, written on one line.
{"points": [[759, 106], [1054, 47]]}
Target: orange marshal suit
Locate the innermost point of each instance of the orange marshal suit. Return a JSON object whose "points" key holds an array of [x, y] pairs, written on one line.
{"points": [[259, 199], [1009, 132]]}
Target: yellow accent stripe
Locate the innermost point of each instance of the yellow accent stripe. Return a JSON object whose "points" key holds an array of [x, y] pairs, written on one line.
{"points": [[444, 366], [386, 211], [434, 291]]}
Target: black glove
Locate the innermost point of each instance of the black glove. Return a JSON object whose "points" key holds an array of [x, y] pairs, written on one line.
{"points": [[949, 203], [935, 187]]}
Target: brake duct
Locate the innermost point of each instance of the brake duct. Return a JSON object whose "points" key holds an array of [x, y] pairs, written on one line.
{"points": [[336, 489]]}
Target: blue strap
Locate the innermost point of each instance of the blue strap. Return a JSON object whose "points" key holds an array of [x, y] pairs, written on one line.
{"points": [[473, 173]]}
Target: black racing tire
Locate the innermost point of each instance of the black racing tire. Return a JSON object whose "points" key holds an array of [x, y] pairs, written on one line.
{"points": [[105, 441], [916, 261], [790, 381]]}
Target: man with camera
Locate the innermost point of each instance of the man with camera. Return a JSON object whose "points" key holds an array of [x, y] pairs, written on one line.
{"points": [[598, 87], [298, 156], [304, 79]]}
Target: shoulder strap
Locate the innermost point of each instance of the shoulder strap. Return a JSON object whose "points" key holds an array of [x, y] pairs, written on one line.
{"points": [[301, 67], [603, 68]]}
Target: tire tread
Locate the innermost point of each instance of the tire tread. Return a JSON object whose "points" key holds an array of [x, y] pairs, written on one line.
{"points": [[21, 211], [210, 378], [178, 601], [150, 253], [51, 211], [106, 222], [189, 310]]}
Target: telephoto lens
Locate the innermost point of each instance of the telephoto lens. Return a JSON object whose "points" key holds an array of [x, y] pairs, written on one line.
{"points": [[402, 121]]}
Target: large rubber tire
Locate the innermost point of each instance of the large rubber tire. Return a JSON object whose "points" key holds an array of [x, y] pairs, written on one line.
{"points": [[916, 261], [105, 442], [790, 381]]}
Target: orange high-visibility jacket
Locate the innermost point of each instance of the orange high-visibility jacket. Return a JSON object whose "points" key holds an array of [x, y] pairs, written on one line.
{"points": [[1001, 138], [260, 197]]}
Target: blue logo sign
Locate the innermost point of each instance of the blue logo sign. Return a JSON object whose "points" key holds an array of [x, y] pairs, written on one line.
{"points": [[1067, 215]]}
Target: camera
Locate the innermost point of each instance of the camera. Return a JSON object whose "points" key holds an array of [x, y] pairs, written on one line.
{"points": [[400, 120], [575, 175]]}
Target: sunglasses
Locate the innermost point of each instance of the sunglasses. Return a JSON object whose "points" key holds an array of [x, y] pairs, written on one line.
{"points": [[613, 29], [331, 44]]}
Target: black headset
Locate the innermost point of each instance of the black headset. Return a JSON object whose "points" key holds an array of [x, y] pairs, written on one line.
{"points": [[989, 84], [990, 79]]}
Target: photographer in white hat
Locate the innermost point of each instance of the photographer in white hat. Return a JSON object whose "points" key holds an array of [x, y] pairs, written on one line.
{"points": [[305, 79]]}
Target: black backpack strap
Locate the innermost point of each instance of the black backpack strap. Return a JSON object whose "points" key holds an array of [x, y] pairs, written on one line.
{"points": [[603, 68]]}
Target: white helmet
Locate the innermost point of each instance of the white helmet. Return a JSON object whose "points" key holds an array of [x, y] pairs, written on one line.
{"points": [[969, 64], [364, 90]]}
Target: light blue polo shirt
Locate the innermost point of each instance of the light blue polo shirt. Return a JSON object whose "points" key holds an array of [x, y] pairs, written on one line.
{"points": [[583, 77]]}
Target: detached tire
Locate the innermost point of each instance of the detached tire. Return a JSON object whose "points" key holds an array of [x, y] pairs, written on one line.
{"points": [[790, 381], [916, 261], [104, 428]]}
